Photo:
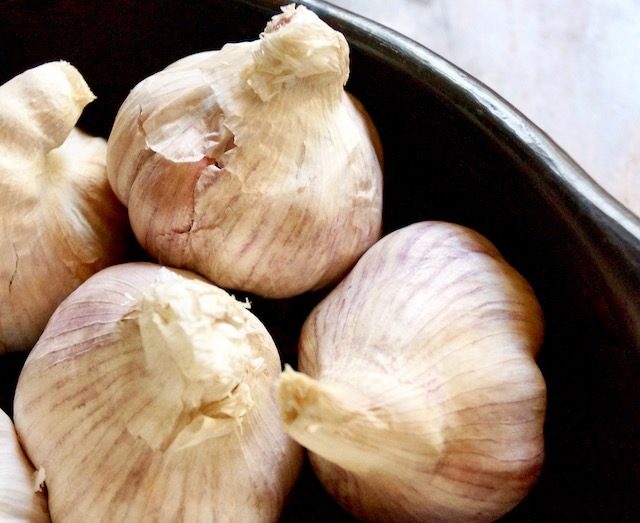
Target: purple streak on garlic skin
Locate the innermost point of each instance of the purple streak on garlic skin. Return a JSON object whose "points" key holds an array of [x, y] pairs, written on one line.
{"points": [[422, 400], [251, 165], [150, 396]]}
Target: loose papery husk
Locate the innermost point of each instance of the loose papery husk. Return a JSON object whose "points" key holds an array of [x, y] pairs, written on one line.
{"points": [[419, 398], [150, 397]]}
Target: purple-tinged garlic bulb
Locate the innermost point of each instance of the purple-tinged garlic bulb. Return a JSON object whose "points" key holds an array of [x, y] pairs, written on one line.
{"points": [[21, 499], [421, 399], [151, 397], [59, 219], [251, 165]]}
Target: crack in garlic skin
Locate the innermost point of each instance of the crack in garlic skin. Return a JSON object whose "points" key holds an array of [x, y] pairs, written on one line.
{"points": [[251, 165], [197, 347], [92, 394], [421, 381], [61, 221]]}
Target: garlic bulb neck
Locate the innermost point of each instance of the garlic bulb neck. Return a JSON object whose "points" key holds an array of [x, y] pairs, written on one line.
{"points": [[196, 344], [344, 426], [37, 129], [294, 46]]}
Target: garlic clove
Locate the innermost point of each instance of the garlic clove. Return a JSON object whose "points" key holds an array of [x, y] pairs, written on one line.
{"points": [[21, 498], [150, 396], [59, 218], [251, 165], [421, 399]]}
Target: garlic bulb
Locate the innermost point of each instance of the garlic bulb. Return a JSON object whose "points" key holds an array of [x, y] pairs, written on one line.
{"points": [[20, 498], [251, 165], [59, 219], [150, 397], [421, 399]]}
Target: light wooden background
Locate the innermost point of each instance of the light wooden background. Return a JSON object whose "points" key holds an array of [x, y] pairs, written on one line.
{"points": [[571, 66]]}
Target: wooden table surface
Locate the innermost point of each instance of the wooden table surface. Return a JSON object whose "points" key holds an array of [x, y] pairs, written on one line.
{"points": [[571, 66]]}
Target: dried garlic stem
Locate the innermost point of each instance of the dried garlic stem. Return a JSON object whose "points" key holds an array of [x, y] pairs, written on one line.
{"points": [[38, 110], [196, 342], [344, 426]]}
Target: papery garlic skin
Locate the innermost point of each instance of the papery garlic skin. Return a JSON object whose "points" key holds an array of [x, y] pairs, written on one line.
{"points": [[251, 165], [59, 218], [150, 397], [421, 399], [20, 497]]}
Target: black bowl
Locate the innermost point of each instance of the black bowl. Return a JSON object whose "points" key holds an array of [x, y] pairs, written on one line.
{"points": [[454, 151]]}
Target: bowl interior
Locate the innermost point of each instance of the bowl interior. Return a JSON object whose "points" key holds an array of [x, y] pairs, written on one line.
{"points": [[450, 154]]}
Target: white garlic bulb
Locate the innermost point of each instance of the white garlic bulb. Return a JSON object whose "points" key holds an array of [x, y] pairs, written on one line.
{"points": [[251, 165], [150, 397], [20, 497], [59, 218], [421, 399]]}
